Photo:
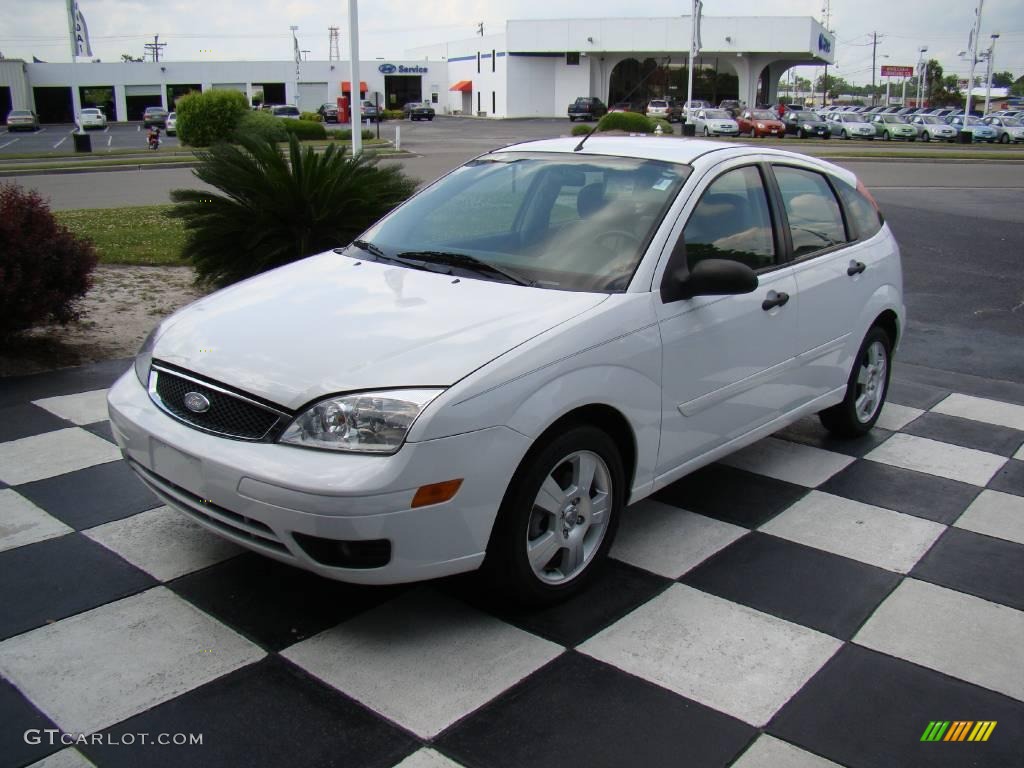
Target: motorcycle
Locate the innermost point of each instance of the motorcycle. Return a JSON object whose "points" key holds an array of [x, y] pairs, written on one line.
{"points": [[154, 139]]}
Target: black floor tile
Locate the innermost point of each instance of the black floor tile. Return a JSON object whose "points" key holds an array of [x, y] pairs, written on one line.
{"points": [[579, 712], [619, 589], [21, 724], [732, 495], [26, 420], [914, 394], [1009, 479], [903, 490], [53, 579], [809, 431], [275, 604], [101, 429], [867, 710], [966, 432], [979, 565], [801, 584], [268, 714], [69, 381], [91, 496]]}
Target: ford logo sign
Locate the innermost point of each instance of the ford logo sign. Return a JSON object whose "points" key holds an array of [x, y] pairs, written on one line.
{"points": [[824, 44], [386, 69], [196, 402]]}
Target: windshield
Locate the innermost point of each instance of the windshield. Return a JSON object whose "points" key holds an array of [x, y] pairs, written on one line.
{"points": [[763, 114], [659, 104], [1012, 122], [929, 119], [893, 119], [717, 114], [560, 221], [286, 110], [809, 116], [973, 121], [20, 113]]}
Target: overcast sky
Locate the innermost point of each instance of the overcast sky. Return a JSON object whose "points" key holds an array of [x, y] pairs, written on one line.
{"points": [[258, 29]]}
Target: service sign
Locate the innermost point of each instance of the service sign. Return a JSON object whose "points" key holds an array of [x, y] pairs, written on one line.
{"points": [[889, 70], [401, 69]]}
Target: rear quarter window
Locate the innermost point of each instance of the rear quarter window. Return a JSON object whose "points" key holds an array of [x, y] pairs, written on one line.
{"points": [[864, 217]]}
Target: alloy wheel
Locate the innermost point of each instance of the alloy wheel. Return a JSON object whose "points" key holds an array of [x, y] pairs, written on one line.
{"points": [[871, 381]]}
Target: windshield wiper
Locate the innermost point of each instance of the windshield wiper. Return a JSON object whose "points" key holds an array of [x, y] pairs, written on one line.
{"points": [[465, 261], [379, 255]]}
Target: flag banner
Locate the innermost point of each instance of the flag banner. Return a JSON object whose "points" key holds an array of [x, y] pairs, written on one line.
{"points": [[82, 47], [298, 55], [695, 44]]}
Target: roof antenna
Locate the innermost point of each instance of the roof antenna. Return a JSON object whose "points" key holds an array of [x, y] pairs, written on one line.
{"points": [[668, 60]]}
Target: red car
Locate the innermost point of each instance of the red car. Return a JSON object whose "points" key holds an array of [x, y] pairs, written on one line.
{"points": [[760, 123]]}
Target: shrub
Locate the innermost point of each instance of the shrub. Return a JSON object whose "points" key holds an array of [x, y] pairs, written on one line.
{"points": [[632, 122], [44, 268], [581, 130], [206, 118], [305, 129], [263, 125], [315, 117], [271, 209], [393, 114], [345, 134]]}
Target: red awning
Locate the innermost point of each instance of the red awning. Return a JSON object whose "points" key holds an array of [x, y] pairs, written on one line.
{"points": [[466, 86], [346, 86]]}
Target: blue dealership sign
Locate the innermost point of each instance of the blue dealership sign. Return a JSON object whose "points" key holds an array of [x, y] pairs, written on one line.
{"points": [[824, 44], [390, 69], [387, 69]]}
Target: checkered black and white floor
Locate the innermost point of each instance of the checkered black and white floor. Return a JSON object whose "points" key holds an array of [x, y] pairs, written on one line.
{"points": [[805, 603]]}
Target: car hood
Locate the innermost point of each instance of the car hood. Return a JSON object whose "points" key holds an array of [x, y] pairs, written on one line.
{"points": [[332, 324]]}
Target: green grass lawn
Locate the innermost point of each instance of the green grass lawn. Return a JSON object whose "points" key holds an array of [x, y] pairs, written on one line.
{"points": [[143, 235]]}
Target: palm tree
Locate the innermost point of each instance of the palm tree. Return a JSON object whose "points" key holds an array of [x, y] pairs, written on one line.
{"points": [[270, 211]]}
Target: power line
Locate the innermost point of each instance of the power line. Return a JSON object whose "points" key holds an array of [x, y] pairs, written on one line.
{"points": [[155, 48]]}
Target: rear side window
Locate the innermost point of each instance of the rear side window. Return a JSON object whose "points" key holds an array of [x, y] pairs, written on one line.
{"points": [[865, 219], [815, 219], [732, 221]]}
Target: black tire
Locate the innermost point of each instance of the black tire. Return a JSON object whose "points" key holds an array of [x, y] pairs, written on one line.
{"points": [[1004, 138], [843, 419], [507, 564], [885, 136], [572, 119], [706, 132], [845, 134], [430, 119]]}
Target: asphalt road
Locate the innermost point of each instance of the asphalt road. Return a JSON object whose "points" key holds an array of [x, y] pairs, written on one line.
{"points": [[57, 139]]}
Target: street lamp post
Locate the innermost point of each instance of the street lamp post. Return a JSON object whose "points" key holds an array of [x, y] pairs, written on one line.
{"points": [[921, 69], [973, 53], [298, 58], [991, 67]]}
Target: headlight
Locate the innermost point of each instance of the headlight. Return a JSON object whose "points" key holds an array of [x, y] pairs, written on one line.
{"points": [[808, 127], [761, 126], [145, 356], [368, 422]]}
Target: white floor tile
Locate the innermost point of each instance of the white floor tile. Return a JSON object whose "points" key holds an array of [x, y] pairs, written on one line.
{"points": [[51, 454], [953, 633], [423, 660], [1019, 455], [792, 462], [996, 514], [95, 669], [66, 758], [730, 657], [22, 522], [428, 758], [163, 543], [769, 752], [83, 408], [856, 530], [896, 417], [936, 458], [982, 409], [669, 541]]}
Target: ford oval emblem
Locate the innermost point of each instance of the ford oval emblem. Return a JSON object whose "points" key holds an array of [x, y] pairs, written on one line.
{"points": [[196, 402], [386, 69]]}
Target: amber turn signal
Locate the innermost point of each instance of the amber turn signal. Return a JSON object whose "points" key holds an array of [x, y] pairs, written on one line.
{"points": [[435, 493]]}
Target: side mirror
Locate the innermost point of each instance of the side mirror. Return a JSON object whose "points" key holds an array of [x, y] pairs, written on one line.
{"points": [[709, 277]]}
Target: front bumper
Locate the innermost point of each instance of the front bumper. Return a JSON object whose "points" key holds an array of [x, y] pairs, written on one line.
{"points": [[261, 495]]}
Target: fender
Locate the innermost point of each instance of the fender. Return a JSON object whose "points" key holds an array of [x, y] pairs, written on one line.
{"points": [[886, 297]]}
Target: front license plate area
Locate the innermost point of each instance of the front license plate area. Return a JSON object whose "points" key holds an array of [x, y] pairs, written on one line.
{"points": [[176, 466]]}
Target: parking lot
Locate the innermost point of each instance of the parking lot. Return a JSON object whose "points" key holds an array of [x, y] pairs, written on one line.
{"points": [[805, 603], [57, 139]]}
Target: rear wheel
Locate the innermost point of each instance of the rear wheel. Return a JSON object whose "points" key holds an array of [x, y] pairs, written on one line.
{"points": [[885, 136], [706, 132], [1004, 139], [558, 517], [845, 135], [865, 389]]}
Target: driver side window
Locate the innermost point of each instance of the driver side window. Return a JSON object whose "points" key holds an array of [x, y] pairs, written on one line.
{"points": [[732, 221]]}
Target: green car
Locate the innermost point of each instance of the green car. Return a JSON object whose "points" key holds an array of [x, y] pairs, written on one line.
{"points": [[893, 127]]}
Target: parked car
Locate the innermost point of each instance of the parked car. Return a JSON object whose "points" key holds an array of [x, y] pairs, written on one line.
{"points": [[1009, 129], [22, 120], [847, 125], [171, 125], [586, 108], [657, 108], [804, 124], [154, 116], [535, 378], [889, 126], [369, 111], [675, 112], [91, 117], [419, 110], [943, 111], [732, 106], [931, 127], [973, 125], [715, 122], [286, 111], [760, 122], [622, 106], [329, 112]]}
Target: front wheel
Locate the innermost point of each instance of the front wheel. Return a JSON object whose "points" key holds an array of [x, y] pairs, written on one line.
{"points": [[1004, 139], [845, 134], [865, 389], [558, 517], [706, 132], [885, 136]]}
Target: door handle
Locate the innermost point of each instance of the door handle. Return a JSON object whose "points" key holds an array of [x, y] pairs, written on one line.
{"points": [[774, 300], [855, 268]]}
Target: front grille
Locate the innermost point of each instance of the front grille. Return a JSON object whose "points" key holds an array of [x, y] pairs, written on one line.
{"points": [[229, 414]]}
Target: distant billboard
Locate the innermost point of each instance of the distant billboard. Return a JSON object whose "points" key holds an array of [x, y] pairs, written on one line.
{"points": [[890, 70]]}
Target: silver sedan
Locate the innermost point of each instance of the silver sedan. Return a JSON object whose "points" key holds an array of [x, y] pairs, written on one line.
{"points": [[931, 127], [849, 125], [715, 122]]}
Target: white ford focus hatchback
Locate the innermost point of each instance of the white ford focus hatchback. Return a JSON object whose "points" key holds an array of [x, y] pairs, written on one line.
{"points": [[491, 373]]}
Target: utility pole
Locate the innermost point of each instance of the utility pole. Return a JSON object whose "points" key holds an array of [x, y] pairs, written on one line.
{"points": [[973, 52], [333, 53], [694, 50], [991, 68], [826, 17], [874, 51], [480, 29], [922, 67], [154, 48], [355, 93]]}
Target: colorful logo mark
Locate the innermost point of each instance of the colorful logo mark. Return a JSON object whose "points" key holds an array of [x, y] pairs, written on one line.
{"points": [[958, 730]]}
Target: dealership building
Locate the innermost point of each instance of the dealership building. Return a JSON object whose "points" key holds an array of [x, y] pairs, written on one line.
{"points": [[532, 68]]}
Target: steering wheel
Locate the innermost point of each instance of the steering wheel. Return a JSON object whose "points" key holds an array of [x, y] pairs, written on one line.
{"points": [[617, 240]]}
